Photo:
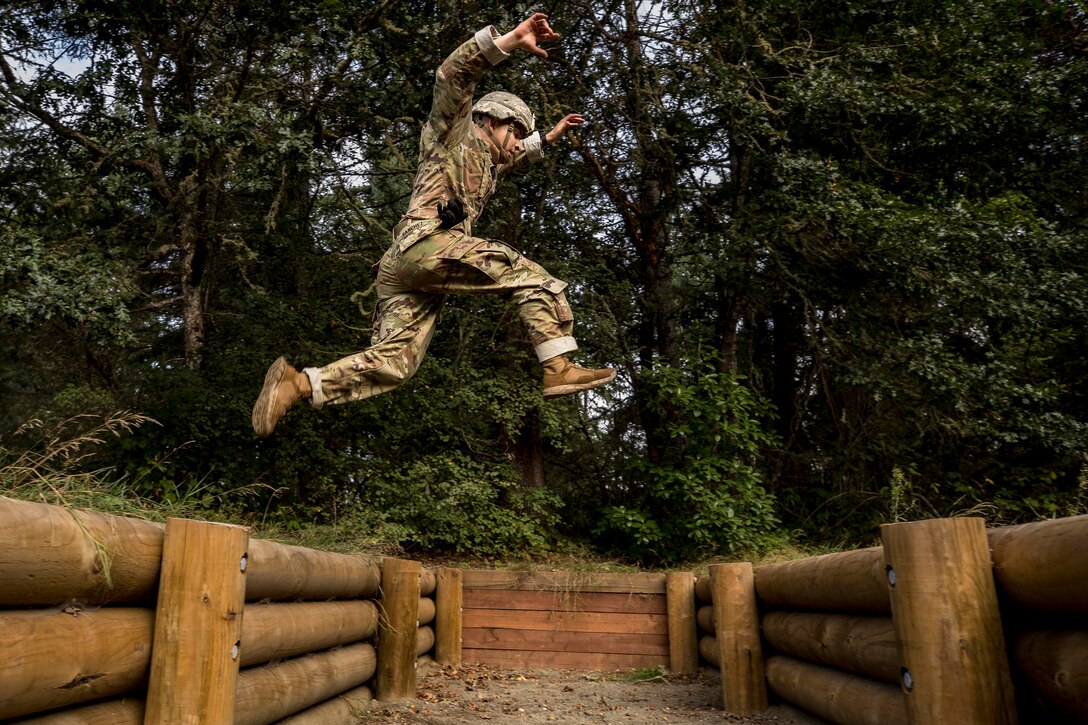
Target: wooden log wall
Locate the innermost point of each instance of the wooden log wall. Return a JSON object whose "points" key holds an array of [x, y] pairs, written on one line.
{"points": [[592, 621], [301, 642], [835, 649]]}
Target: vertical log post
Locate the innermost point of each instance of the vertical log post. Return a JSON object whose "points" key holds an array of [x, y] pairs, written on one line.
{"points": [[448, 620], [744, 684], [396, 675], [198, 624], [683, 634], [952, 657]]}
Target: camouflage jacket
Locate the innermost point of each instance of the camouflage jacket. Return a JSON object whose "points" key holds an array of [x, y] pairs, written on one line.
{"points": [[453, 160]]}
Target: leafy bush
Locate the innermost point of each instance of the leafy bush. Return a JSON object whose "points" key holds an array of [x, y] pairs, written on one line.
{"points": [[705, 495]]}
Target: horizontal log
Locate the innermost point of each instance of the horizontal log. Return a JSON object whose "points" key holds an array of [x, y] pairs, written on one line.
{"points": [[346, 709], [424, 640], [702, 589], [272, 692], [864, 645], [282, 572], [849, 581], [52, 555], [708, 649], [1042, 565], [1054, 663], [704, 617], [566, 601], [278, 631], [427, 582], [563, 660], [126, 711], [565, 581], [537, 641], [835, 696], [53, 659], [425, 613], [566, 621]]}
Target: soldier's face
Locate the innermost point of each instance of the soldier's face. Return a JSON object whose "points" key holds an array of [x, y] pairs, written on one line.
{"points": [[508, 135]]}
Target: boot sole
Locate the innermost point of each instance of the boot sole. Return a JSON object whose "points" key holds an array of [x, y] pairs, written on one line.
{"points": [[561, 390], [263, 422]]}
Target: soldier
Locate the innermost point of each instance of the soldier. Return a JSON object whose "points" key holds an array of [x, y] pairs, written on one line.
{"points": [[464, 150]]}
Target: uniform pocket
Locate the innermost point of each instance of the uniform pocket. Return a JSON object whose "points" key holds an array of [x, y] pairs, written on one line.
{"points": [[559, 299]]}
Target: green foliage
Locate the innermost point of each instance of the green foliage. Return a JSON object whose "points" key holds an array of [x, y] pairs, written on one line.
{"points": [[872, 212], [705, 495], [450, 503]]}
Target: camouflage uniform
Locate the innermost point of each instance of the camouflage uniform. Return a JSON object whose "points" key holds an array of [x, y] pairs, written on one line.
{"points": [[425, 263]]}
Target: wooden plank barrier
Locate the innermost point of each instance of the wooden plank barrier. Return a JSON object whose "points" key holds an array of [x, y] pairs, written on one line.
{"points": [[579, 620]]}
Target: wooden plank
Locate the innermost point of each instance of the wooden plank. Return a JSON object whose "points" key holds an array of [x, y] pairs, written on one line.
{"points": [[560, 581], [537, 641], [566, 660], [565, 601], [567, 621], [198, 623], [448, 603]]}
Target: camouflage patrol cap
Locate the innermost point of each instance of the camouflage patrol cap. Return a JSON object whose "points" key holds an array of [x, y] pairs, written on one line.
{"points": [[506, 106]]}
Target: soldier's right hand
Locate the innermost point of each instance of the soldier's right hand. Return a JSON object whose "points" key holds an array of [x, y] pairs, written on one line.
{"points": [[452, 213]]}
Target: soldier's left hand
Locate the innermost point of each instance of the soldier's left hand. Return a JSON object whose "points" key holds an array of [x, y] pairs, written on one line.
{"points": [[571, 120]]}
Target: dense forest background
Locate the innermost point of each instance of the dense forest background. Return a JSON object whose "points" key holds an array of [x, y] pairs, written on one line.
{"points": [[838, 252]]}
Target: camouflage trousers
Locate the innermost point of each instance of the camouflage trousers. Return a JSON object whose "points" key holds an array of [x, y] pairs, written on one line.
{"points": [[411, 287]]}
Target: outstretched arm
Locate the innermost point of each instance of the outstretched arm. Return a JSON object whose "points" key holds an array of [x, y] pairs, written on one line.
{"points": [[527, 36], [571, 120]]}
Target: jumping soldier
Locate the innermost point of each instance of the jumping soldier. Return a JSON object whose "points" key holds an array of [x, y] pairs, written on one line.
{"points": [[464, 150]]}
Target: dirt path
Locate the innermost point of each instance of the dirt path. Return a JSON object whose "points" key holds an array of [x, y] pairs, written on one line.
{"points": [[475, 694]]}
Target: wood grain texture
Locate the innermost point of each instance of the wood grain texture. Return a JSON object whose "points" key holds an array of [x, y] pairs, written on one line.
{"points": [[566, 660], [1043, 565], [947, 623], [448, 622], [864, 645], [112, 657], [282, 630], [683, 631], [849, 581], [397, 630], [740, 651], [561, 581], [552, 621], [838, 697], [198, 624], [567, 601]]}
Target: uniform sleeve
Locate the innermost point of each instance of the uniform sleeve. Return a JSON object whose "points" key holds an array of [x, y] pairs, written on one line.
{"points": [[455, 81]]}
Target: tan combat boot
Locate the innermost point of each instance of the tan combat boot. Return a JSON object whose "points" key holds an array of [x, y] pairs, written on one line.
{"points": [[562, 377], [283, 387]]}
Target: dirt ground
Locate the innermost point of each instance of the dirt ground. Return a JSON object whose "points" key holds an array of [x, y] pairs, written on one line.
{"points": [[475, 694]]}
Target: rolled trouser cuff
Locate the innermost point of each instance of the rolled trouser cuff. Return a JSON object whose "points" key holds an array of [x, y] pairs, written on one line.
{"points": [[317, 396], [555, 347]]}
